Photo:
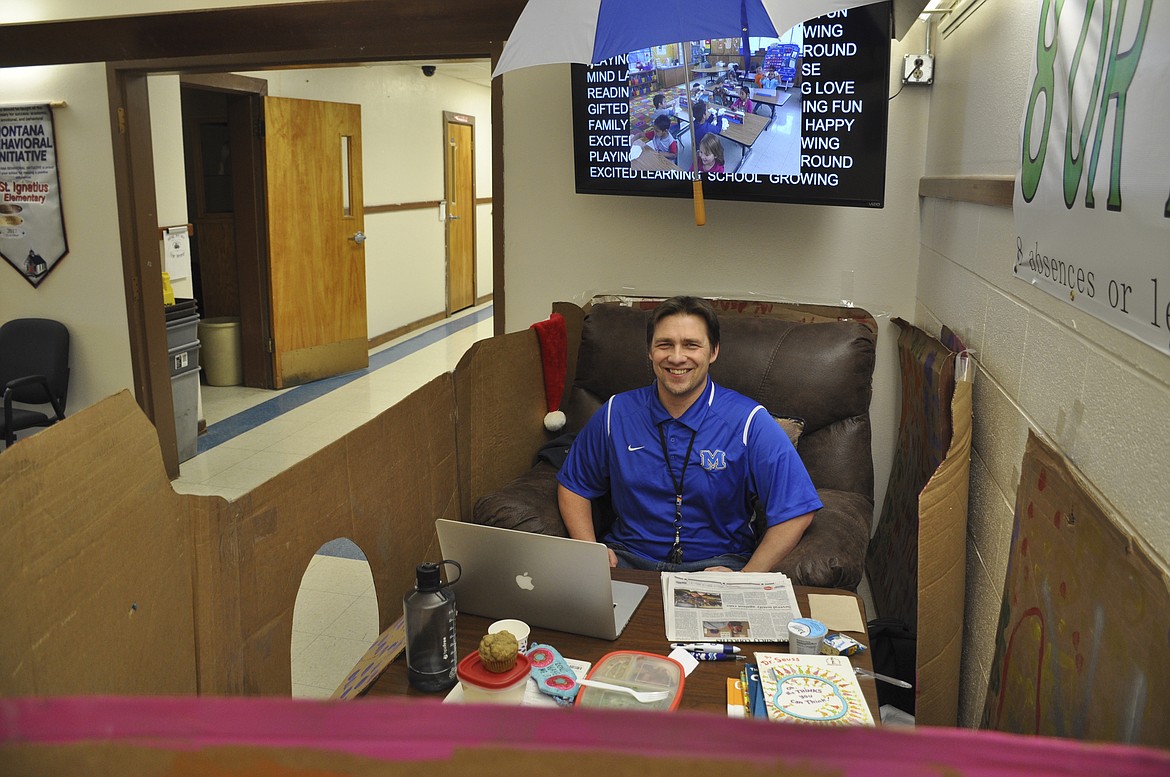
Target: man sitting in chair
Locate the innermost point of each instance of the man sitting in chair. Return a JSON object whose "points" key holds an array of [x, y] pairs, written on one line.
{"points": [[682, 460]]}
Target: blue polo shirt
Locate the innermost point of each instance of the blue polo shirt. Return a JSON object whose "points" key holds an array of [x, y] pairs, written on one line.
{"points": [[738, 451]]}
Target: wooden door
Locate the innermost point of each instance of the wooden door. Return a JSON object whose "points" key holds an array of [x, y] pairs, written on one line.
{"points": [[316, 258], [459, 133]]}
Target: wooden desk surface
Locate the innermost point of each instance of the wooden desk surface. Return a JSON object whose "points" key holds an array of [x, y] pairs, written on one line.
{"points": [[704, 690], [649, 159], [771, 96], [746, 133]]}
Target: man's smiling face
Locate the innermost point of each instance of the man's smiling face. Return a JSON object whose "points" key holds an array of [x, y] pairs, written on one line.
{"points": [[681, 354]]}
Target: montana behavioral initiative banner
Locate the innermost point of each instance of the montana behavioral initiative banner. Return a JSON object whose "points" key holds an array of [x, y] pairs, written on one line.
{"points": [[1092, 199], [32, 226]]}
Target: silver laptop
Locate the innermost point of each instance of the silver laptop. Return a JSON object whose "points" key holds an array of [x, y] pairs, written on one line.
{"points": [[552, 582]]}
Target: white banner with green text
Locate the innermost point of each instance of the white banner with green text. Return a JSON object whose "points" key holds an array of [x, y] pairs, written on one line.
{"points": [[1092, 198]]}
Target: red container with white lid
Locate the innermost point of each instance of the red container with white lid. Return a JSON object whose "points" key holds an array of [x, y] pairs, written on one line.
{"points": [[481, 685]]}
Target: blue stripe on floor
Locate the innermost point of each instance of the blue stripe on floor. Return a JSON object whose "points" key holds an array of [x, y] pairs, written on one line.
{"points": [[249, 419], [342, 547]]}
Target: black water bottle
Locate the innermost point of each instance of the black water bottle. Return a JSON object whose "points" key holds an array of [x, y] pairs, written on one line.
{"points": [[429, 612]]}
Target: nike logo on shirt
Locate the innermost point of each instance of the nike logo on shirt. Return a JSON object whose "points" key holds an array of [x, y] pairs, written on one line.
{"points": [[631, 448]]}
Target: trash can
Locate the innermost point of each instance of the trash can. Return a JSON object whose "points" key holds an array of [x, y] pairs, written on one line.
{"points": [[223, 357], [182, 320], [184, 363]]}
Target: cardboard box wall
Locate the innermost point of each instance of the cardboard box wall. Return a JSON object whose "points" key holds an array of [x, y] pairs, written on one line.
{"points": [[1083, 643], [381, 485], [124, 586], [120, 585], [499, 385], [405, 737], [97, 592], [916, 557]]}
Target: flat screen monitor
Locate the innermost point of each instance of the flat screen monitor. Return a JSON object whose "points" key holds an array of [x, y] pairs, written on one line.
{"points": [[813, 132]]}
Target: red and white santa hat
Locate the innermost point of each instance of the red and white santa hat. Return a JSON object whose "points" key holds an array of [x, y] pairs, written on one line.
{"points": [[553, 358]]}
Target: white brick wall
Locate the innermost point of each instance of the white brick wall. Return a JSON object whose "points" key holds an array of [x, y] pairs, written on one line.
{"points": [[1100, 396]]}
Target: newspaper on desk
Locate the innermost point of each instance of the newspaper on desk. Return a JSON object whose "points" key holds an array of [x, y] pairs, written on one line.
{"points": [[728, 606]]}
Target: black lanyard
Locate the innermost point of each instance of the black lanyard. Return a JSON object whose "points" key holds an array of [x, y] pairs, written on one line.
{"points": [[676, 551]]}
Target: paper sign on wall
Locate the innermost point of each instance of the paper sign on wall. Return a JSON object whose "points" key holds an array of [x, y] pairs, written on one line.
{"points": [[32, 225], [177, 252]]}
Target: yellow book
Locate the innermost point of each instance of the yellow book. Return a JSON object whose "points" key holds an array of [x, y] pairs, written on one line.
{"points": [[736, 708]]}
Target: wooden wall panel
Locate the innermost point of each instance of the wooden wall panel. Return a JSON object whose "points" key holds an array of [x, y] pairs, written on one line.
{"points": [[339, 31]]}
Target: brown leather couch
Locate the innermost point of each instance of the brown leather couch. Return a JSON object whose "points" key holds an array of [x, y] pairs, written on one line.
{"points": [[818, 372]]}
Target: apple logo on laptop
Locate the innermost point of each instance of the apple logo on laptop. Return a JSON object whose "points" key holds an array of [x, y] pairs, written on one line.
{"points": [[524, 581]]}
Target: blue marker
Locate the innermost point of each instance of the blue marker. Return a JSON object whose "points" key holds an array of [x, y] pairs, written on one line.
{"points": [[718, 657]]}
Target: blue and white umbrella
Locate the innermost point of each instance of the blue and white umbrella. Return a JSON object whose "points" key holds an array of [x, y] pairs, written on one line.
{"points": [[591, 31]]}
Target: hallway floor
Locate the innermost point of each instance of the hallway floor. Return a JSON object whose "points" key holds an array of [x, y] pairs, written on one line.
{"points": [[254, 434]]}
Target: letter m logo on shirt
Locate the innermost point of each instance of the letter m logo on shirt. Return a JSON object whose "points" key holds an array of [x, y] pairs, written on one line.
{"points": [[713, 460]]}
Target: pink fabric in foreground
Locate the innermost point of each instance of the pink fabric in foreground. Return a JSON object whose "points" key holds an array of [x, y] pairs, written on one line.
{"points": [[405, 729]]}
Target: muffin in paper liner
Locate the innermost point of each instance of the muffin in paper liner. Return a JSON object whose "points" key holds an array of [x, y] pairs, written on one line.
{"points": [[498, 651]]}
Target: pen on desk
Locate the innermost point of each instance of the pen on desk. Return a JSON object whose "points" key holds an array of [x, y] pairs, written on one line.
{"points": [[718, 657], [705, 647], [885, 678]]}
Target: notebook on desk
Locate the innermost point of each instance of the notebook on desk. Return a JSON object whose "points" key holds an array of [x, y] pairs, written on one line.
{"points": [[551, 582]]}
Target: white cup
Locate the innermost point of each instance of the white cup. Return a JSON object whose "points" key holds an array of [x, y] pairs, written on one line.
{"points": [[805, 636], [518, 629]]}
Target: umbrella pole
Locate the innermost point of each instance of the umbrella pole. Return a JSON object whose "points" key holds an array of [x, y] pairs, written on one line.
{"points": [[700, 205]]}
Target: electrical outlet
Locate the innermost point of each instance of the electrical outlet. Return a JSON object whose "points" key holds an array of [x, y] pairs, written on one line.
{"points": [[918, 69]]}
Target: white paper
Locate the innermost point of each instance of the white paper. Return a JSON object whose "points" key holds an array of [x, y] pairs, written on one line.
{"points": [[177, 252], [686, 658]]}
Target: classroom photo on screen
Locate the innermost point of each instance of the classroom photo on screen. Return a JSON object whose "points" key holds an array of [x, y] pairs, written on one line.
{"points": [[795, 118]]}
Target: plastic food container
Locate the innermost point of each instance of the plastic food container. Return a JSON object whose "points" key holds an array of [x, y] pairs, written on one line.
{"points": [[639, 671], [805, 636], [483, 687]]}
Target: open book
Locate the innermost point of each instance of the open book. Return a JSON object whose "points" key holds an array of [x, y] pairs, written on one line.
{"points": [[812, 689], [728, 606]]}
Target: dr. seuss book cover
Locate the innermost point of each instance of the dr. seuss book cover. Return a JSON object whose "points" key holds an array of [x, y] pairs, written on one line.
{"points": [[812, 689]]}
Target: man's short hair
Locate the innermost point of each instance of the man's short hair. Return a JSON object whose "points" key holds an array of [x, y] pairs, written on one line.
{"points": [[662, 122], [684, 306]]}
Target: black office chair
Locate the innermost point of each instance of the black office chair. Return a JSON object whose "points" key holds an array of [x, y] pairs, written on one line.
{"points": [[34, 370]]}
